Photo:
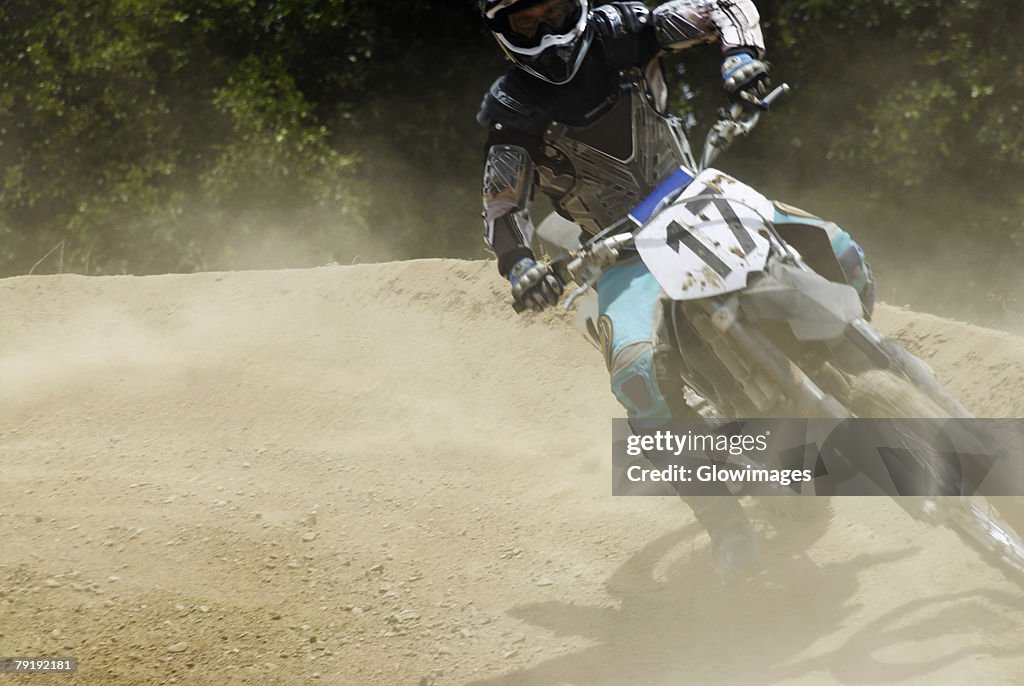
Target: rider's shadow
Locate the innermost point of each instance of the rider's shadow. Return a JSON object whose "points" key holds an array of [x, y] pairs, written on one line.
{"points": [[669, 629]]}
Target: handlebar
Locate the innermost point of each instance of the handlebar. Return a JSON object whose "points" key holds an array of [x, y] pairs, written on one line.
{"points": [[733, 124], [584, 266]]}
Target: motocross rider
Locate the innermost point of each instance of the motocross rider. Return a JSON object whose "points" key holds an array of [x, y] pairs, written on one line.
{"points": [[581, 114]]}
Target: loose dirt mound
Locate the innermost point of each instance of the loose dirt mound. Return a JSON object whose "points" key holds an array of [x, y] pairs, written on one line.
{"points": [[379, 475]]}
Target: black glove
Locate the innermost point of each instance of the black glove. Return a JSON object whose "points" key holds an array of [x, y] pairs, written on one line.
{"points": [[746, 79], [534, 284]]}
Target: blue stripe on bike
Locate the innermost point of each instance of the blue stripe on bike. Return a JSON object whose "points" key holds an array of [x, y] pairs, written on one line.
{"points": [[643, 212]]}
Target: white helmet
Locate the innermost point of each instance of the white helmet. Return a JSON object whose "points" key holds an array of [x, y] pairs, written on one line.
{"points": [[547, 38]]}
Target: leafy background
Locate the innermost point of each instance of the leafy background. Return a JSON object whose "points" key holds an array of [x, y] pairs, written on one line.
{"points": [[181, 135]]}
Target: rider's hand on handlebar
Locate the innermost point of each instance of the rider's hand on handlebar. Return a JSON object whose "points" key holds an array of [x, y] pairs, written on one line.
{"points": [[534, 284], [746, 80]]}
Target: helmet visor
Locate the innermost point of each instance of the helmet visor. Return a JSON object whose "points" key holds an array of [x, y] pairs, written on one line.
{"points": [[524, 24]]}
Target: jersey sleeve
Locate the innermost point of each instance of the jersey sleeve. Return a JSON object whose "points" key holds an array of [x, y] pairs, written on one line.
{"points": [[736, 24], [508, 178], [514, 134]]}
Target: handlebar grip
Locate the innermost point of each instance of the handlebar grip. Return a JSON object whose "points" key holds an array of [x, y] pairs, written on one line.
{"points": [[776, 94]]}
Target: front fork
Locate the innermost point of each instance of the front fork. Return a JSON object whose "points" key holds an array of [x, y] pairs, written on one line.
{"points": [[733, 340]]}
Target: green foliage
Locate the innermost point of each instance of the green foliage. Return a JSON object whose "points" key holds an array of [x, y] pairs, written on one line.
{"points": [[154, 136], [910, 93], [174, 135]]}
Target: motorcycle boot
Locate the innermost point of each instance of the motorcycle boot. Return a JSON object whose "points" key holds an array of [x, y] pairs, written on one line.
{"points": [[733, 542]]}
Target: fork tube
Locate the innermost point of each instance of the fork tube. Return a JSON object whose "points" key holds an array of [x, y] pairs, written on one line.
{"points": [[795, 383]]}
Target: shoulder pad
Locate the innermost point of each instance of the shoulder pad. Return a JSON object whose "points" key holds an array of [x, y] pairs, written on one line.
{"points": [[621, 18], [507, 106]]}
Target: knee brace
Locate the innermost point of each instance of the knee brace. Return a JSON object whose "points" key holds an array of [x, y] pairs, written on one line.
{"points": [[635, 383], [645, 380]]}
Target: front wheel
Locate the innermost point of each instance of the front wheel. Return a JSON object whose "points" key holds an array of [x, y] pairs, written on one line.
{"points": [[988, 526], [992, 526]]}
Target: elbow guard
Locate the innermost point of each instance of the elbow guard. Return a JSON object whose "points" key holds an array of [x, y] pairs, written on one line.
{"points": [[508, 177]]}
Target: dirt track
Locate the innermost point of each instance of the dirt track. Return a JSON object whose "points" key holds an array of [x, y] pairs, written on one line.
{"points": [[379, 475]]}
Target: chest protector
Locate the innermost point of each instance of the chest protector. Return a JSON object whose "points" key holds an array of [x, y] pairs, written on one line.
{"points": [[599, 172]]}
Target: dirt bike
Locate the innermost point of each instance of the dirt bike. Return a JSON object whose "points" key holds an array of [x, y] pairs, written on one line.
{"points": [[763, 333]]}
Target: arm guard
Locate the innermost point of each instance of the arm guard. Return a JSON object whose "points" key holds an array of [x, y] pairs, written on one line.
{"points": [[682, 23], [508, 176]]}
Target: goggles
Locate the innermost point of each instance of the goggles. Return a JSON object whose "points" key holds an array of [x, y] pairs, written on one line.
{"points": [[525, 27]]}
